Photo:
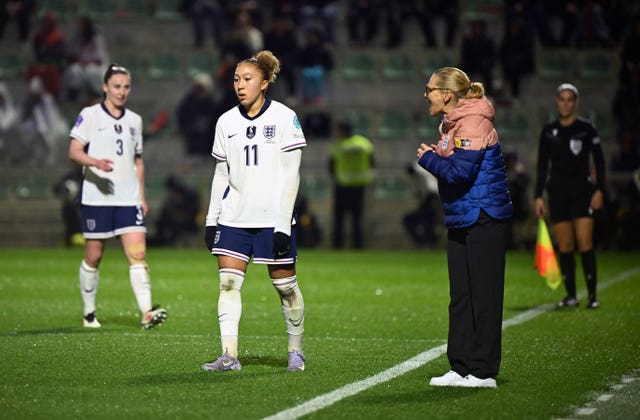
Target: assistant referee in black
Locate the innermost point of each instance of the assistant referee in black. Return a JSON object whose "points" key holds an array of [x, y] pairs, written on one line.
{"points": [[564, 167]]}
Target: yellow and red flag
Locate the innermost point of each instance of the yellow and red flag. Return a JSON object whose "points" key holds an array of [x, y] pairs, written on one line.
{"points": [[545, 258]]}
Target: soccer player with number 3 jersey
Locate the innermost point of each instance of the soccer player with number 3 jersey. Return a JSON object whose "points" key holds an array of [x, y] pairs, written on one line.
{"points": [[107, 141], [257, 146]]}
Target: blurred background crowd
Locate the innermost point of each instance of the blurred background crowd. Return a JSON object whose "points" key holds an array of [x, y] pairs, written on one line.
{"points": [[365, 62]]}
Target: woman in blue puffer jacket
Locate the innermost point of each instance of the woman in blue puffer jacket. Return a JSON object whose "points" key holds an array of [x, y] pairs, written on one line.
{"points": [[477, 208]]}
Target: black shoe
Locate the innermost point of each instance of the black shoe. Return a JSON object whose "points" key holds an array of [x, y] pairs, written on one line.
{"points": [[568, 302]]}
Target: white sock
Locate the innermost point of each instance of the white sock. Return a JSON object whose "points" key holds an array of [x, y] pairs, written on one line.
{"points": [[141, 285], [292, 309], [89, 278], [230, 309]]}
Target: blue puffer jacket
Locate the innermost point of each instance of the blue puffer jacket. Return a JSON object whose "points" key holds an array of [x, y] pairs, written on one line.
{"points": [[470, 180]]}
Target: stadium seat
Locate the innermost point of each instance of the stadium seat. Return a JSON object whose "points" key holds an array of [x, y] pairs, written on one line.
{"points": [[392, 188], [360, 121], [62, 8], [12, 65], [132, 61], [164, 66], [428, 132], [133, 9], [603, 123], [434, 60], [513, 126], [487, 10], [34, 187], [359, 66], [556, 65], [596, 65], [395, 125], [399, 66], [98, 10], [167, 10], [315, 187], [203, 62]]}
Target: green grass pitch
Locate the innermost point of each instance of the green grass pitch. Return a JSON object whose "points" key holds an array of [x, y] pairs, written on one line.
{"points": [[366, 312]]}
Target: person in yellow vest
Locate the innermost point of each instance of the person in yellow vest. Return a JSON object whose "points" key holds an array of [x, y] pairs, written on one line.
{"points": [[351, 167]]}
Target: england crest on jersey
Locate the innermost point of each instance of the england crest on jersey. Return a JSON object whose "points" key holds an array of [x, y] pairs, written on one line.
{"points": [[575, 146], [251, 131], [269, 131]]}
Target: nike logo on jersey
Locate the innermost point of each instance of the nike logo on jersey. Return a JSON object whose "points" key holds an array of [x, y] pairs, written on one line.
{"points": [[231, 135]]}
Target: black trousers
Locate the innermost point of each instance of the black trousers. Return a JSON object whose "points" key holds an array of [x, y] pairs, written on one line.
{"points": [[348, 200], [476, 259]]}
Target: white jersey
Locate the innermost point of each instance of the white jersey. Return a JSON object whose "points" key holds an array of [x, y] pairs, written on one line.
{"points": [[252, 149], [117, 139]]}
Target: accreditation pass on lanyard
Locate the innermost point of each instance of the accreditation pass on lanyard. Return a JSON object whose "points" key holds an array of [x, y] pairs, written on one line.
{"points": [[445, 142]]}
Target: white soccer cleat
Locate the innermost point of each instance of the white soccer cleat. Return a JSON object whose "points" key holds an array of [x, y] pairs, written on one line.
{"points": [[90, 321], [155, 316]]}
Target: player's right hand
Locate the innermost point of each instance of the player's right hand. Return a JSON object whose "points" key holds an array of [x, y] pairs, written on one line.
{"points": [[210, 236], [105, 165]]}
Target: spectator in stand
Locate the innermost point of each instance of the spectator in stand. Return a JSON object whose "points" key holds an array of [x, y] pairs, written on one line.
{"points": [[394, 13], [517, 56], [625, 194], [316, 61], [87, 60], [197, 114], [42, 126], [630, 51], [21, 11], [593, 30], [626, 103], [421, 224], [281, 40], [479, 54], [449, 10], [362, 15], [8, 118], [50, 51], [69, 191], [535, 15], [249, 32], [288, 9], [324, 10], [178, 214], [201, 11], [233, 50]]}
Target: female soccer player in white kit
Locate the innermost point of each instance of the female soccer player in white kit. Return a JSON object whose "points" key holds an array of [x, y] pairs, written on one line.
{"points": [[257, 147], [107, 141]]}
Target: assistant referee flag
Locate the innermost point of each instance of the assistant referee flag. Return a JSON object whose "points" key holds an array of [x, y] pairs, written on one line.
{"points": [[545, 258]]}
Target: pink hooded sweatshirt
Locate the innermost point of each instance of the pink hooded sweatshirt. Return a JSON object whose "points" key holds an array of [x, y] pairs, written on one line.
{"points": [[469, 126]]}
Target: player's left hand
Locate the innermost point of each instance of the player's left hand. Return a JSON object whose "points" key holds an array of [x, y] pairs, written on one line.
{"points": [[281, 244], [597, 200]]}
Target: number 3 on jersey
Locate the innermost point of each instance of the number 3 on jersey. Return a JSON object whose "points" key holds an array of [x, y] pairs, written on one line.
{"points": [[120, 149], [248, 151]]}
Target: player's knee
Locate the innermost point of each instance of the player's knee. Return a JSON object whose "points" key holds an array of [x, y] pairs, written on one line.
{"points": [[287, 287], [231, 279], [137, 253]]}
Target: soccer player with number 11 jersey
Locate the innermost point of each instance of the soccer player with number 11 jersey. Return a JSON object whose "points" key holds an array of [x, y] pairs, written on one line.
{"points": [[257, 148]]}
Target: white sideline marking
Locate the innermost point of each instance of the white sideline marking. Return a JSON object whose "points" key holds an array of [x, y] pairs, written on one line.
{"points": [[332, 397]]}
